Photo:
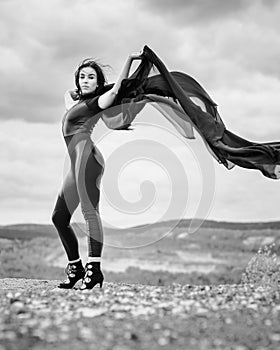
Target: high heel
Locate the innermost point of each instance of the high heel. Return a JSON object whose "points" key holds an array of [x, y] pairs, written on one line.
{"points": [[93, 276], [74, 272]]}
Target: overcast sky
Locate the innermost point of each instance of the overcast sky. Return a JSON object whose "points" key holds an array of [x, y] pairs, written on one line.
{"points": [[231, 47]]}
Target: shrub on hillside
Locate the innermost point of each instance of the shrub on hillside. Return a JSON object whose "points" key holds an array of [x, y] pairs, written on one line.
{"points": [[264, 268]]}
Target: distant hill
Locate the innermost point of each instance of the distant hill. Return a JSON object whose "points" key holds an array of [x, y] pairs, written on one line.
{"points": [[273, 225], [29, 230], [185, 223]]}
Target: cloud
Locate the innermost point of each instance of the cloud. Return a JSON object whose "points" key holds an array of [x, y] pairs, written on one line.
{"points": [[244, 195], [42, 44], [195, 12], [29, 158]]}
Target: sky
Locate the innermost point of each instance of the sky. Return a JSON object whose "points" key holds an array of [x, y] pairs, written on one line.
{"points": [[152, 173]]}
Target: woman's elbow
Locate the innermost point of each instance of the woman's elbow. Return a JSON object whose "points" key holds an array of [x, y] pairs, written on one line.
{"points": [[107, 99]]}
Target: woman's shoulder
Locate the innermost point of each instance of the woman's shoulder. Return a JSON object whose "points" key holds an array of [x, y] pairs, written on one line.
{"points": [[92, 102]]}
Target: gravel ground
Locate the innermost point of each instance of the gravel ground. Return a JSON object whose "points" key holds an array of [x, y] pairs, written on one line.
{"points": [[37, 315]]}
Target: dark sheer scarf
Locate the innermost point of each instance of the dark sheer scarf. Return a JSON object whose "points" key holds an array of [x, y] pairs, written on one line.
{"points": [[185, 103]]}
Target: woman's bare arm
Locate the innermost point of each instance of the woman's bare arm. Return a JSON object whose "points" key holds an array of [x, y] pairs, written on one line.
{"points": [[108, 97]]}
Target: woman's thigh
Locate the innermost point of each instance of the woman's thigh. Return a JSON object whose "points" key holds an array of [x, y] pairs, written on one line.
{"points": [[89, 168], [69, 191]]}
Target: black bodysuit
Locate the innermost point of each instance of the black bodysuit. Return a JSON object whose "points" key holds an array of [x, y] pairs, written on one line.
{"points": [[82, 117], [82, 183]]}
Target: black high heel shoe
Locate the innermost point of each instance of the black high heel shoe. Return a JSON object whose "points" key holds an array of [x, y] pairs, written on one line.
{"points": [[74, 272], [93, 276]]}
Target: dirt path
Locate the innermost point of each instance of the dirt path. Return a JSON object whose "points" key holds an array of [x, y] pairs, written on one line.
{"points": [[36, 315]]}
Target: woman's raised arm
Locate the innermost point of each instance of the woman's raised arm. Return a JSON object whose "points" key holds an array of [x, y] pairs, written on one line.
{"points": [[108, 97]]}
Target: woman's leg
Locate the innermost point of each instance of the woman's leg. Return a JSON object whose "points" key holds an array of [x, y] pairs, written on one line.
{"points": [[65, 206], [89, 168]]}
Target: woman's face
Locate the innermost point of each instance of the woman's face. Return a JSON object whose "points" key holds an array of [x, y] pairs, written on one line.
{"points": [[87, 80]]}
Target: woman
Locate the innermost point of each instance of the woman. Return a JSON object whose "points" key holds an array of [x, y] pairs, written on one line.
{"points": [[180, 98], [82, 183]]}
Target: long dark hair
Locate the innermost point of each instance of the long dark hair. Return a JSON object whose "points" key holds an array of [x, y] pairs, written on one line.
{"points": [[101, 79]]}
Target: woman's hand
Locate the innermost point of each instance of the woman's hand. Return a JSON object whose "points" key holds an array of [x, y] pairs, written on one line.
{"points": [[136, 55], [74, 94]]}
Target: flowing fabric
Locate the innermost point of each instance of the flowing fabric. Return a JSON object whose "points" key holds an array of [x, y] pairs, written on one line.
{"points": [[187, 106]]}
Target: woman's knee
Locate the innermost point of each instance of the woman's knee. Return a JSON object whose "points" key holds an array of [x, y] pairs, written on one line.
{"points": [[59, 219]]}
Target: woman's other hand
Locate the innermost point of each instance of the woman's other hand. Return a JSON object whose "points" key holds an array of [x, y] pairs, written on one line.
{"points": [[70, 98], [74, 94]]}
